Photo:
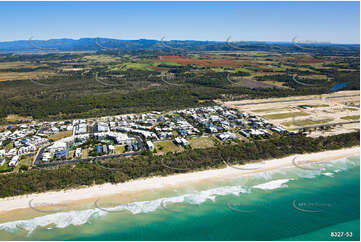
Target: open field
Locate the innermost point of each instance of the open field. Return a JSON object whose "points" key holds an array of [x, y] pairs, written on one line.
{"points": [[286, 115], [84, 153], [14, 118], [166, 146], [5, 167], [16, 65], [101, 58], [250, 83], [320, 106], [22, 70], [202, 62], [119, 149], [11, 76], [201, 142], [275, 83], [267, 110], [61, 135], [24, 161], [321, 99], [306, 122], [353, 117]]}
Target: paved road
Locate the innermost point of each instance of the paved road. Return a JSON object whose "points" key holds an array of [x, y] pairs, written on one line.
{"points": [[38, 155]]}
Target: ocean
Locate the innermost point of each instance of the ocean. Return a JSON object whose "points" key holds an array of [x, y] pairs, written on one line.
{"points": [[308, 202]]}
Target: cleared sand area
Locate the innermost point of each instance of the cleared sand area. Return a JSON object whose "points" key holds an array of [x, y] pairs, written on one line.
{"points": [[294, 113]]}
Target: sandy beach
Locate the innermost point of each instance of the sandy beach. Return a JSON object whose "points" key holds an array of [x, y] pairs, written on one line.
{"points": [[151, 184]]}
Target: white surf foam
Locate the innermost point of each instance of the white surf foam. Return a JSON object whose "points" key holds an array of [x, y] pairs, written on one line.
{"points": [[273, 184], [328, 174], [64, 219], [59, 220]]}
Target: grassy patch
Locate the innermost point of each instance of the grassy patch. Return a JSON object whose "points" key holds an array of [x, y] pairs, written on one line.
{"points": [[352, 109], [5, 167], [119, 149], [24, 160], [101, 58], [268, 110], [15, 117], [168, 63], [242, 69], [137, 66], [276, 83], [201, 142], [353, 117], [306, 122], [84, 153], [166, 146], [61, 135], [11, 76], [71, 154], [285, 115], [9, 146], [320, 106]]}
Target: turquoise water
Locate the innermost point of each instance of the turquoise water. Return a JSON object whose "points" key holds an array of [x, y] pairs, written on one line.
{"points": [[293, 204]]}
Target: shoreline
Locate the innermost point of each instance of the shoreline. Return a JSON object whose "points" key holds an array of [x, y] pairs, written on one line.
{"points": [[145, 185]]}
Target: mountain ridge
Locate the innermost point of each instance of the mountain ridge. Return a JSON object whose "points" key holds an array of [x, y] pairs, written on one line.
{"points": [[111, 44]]}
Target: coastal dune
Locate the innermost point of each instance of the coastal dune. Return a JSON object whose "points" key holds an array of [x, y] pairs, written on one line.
{"points": [[178, 180]]}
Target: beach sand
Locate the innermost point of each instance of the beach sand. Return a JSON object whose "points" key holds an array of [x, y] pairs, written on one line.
{"points": [[20, 206]]}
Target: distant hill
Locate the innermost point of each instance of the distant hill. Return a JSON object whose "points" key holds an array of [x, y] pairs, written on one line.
{"points": [[106, 44]]}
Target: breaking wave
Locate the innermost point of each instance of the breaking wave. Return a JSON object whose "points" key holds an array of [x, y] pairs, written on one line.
{"points": [[274, 180], [64, 219], [280, 183]]}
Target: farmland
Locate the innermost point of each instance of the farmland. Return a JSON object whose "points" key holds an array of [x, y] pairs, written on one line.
{"points": [[91, 84]]}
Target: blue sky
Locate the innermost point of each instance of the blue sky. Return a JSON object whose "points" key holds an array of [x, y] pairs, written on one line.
{"points": [[336, 22]]}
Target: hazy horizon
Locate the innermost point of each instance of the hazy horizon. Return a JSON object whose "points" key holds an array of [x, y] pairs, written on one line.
{"points": [[220, 41], [317, 22]]}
